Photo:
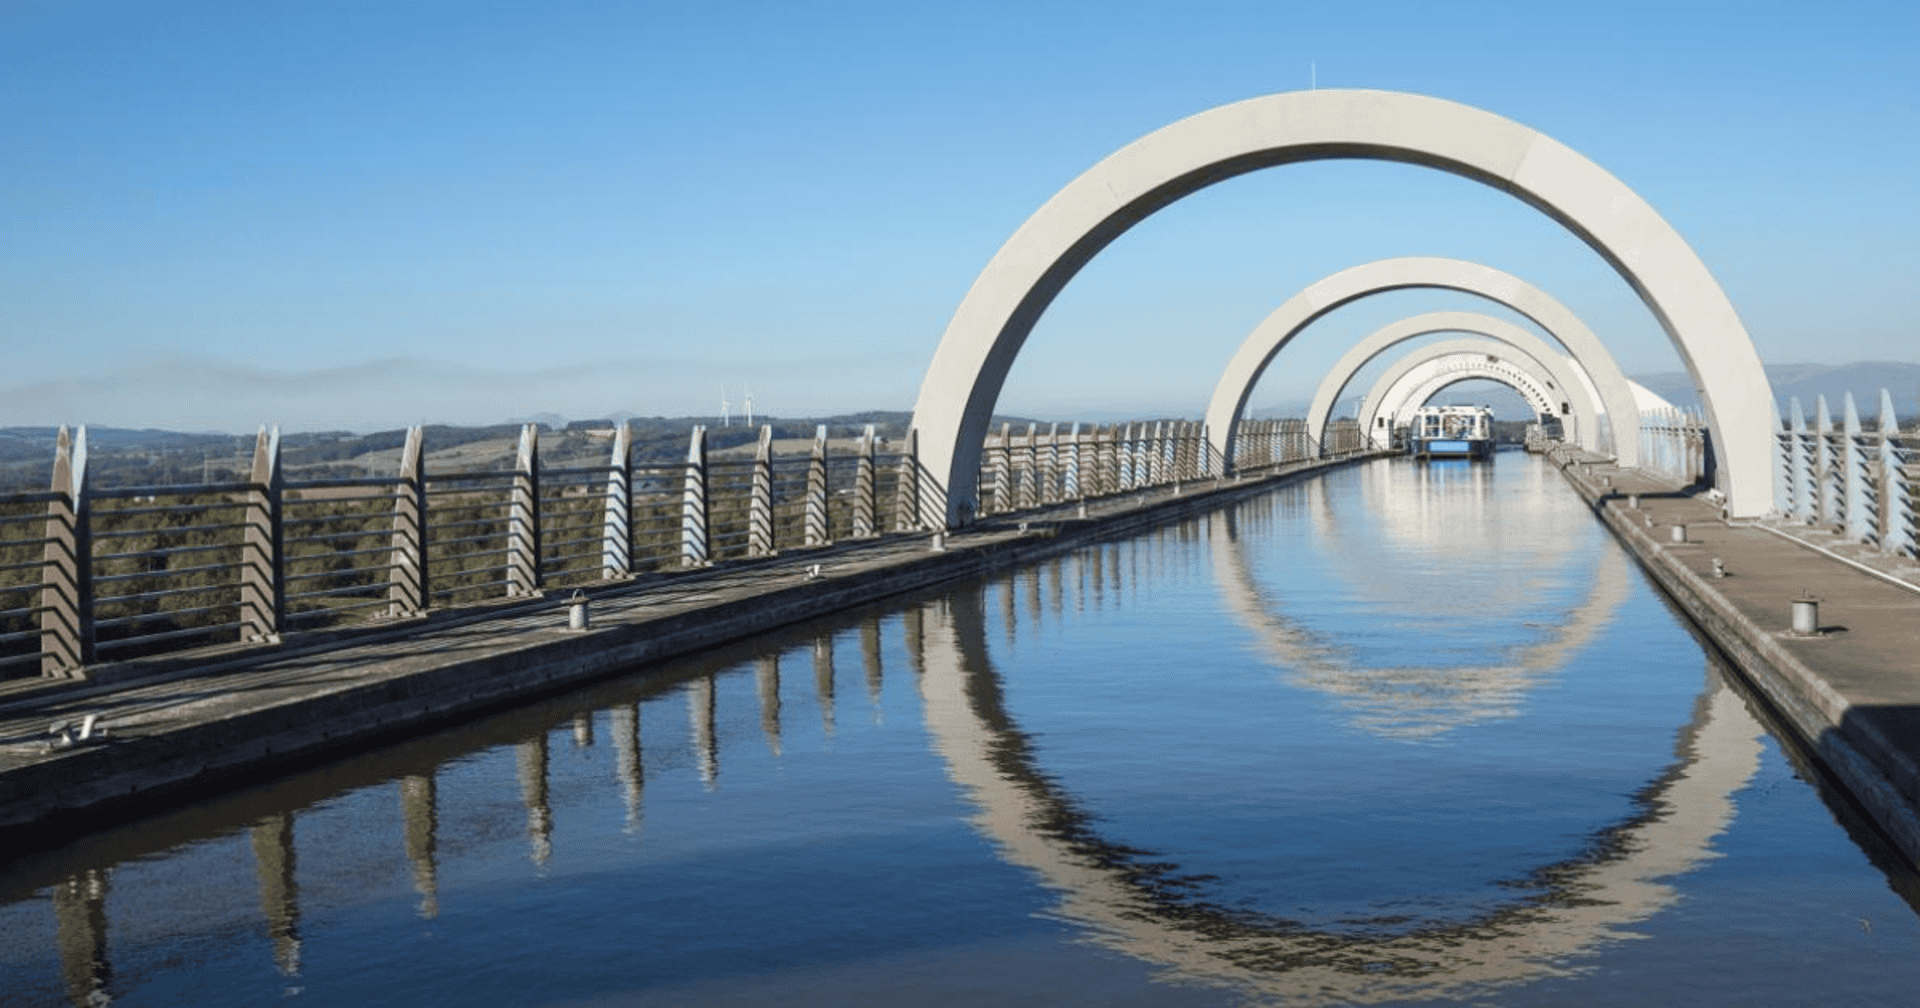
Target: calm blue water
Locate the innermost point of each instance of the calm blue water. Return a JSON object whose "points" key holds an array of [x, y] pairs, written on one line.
{"points": [[1413, 733]]}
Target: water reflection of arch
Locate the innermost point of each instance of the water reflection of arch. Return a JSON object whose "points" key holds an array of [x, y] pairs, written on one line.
{"points": [[1570, 382], [1408, 702], [1137, 906]]}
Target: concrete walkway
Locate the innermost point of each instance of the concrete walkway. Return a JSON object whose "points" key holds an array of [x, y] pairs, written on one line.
{"points": [[1853, 691]]}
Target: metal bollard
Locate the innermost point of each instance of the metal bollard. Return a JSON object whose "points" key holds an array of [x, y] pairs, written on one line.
{"points": [[1806, 615], [577, 615], [1719, 568], [939, 543], [1679, 533], [1633, 501], [1606, 481], [813, 572]]}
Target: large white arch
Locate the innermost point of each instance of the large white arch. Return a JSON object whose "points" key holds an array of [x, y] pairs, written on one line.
{"points": [[1414, 380], [1563, 375], [1600, 375], [970, 365], [1434, 375]]}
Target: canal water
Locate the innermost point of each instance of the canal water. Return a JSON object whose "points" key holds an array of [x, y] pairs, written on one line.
{"points": [[1410, 733]]}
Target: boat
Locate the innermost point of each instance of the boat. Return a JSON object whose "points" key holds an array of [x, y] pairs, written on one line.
{"points": [[1450, 432]]}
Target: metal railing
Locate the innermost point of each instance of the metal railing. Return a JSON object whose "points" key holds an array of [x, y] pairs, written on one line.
{"points": [[1673, 444], [1857, 482], [90, 574]]}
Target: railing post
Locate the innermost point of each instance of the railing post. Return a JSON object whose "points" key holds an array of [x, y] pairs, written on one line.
{"points": [[760, 497], [616, 524], [523, 516], [263, 572], [1169, 453], [816, 521], [1157, 455], [1070, 467], [66, 595], [1799, 464], [863, 489], [1028, 486], [407, 593], [1782, 465], [1859, 510], [693, 502], [1055, 486], [1101, 479], [1002, 472], [1824, 464], [1887, 480], [906, 492]]}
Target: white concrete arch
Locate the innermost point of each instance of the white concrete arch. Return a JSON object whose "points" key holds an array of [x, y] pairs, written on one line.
{"points": [[1566, 376], [1389, 402], [1436, 375], [1600, 374], [970, 365], [1412, 379]]}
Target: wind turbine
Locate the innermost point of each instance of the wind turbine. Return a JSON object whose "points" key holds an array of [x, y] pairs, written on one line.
{"points": [[726, 420], [748, 393]]}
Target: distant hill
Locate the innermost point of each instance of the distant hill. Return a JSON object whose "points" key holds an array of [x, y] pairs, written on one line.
{"points": [[1864, 379], [123, 457]]}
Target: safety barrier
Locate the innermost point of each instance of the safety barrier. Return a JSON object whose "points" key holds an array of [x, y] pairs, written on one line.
{"points": [[1854, 481]]}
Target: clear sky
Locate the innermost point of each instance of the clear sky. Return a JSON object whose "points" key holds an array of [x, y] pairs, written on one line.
{"points": [[368, 214]]}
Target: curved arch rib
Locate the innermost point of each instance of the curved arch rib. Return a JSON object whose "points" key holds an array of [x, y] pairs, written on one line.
{"points": [[1600, 375], [1564, 375], [1414, 388], [1411, 383], [970, 365]]}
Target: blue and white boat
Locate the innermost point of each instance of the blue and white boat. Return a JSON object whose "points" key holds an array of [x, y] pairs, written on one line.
{"points": [[1450, 432]]}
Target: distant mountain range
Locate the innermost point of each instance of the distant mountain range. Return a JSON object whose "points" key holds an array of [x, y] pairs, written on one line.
{"points": [[1864, 379]]}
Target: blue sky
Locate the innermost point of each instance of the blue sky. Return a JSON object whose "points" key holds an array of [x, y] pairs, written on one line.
{"points": [[364, 215]]}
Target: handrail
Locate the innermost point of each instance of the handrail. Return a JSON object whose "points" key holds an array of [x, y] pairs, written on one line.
{"points": [[563, 523]]}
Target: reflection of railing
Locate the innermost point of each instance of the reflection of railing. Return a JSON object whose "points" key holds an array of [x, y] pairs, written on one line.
{"points": [[90, 573], [1859, 483]]}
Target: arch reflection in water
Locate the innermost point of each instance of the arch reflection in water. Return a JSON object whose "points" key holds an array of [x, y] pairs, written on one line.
{"points": [[1134, 903], [1420, 701]]}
